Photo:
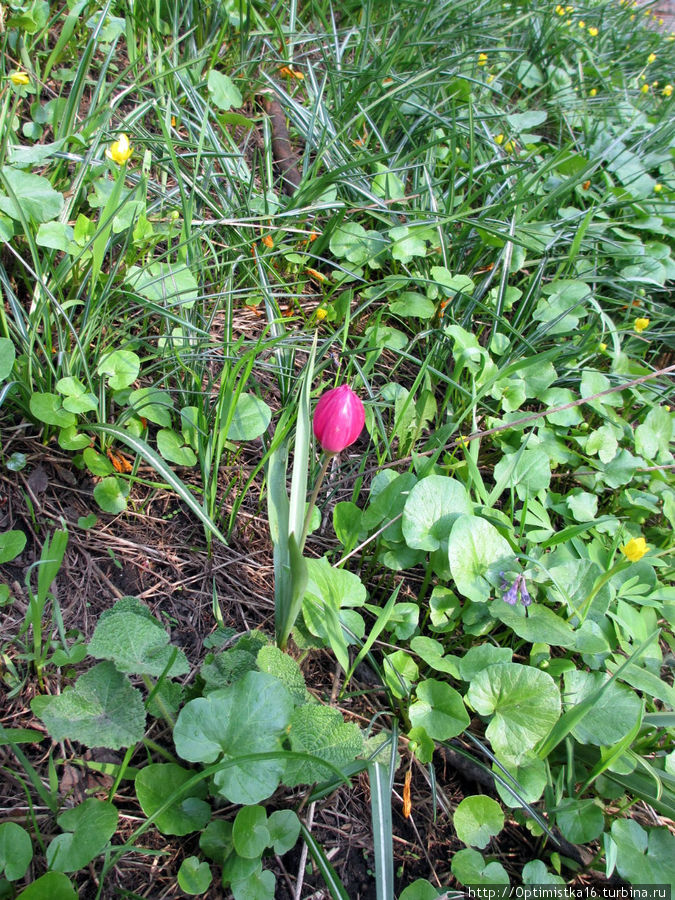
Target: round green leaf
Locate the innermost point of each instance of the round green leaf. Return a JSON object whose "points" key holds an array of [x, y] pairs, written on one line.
{"points": [[97, 464], [111, 495], [249, 832], [7, 356], [580, 821], [439, 709], [216, 840], [477, 819], [615, 712], [420, 890], [644, 857], [88, 828], [52, 886], [251, 418], [530, 781], [284, 828], [412, 304], [121, 367], [32, 196], [433, 506], [48, 408], [524, 703], [476, 550], [224, 93], [194, 876], [213, 726], [16, 850], [259, 886], [469, 867], [172, 447], [156, 783], [535, 872], [11, 544]]}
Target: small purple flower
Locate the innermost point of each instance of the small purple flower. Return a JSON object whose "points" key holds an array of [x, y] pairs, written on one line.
{"points": [[518, 590], [511, 596], [525, 598]]}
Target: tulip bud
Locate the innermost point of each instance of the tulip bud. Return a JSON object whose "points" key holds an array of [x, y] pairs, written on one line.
{"points": [[338, 419]]}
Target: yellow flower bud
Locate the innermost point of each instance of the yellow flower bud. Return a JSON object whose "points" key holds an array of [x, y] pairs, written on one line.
{"points": [[645, 88], [651, 57], [592, 92], [120, 150], [19, 78]]}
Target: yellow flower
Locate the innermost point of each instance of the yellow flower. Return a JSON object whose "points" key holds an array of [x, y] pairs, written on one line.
{"points": [[19, 78], [667, 90], [321, 313], [602, 346], [640, 325], [645, 88], [509, 146], [482, 59], [582, 24], [120, 150], [635, 549], [491, 78], [651, 57], [593, 31], [560, 10], [499, 139], [592, 92], [658, 188], [569, 9]]}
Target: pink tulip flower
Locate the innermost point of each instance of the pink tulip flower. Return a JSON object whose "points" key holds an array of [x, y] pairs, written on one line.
{"points": [[338, 419]]}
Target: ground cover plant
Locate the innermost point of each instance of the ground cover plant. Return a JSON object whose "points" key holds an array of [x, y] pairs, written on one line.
{"points": [[409, 637]]}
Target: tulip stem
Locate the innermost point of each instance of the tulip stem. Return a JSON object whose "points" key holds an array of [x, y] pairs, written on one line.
{"points": [[312, 500]]}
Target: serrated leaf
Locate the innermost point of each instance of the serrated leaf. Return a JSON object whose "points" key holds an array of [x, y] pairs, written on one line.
{"points": [[102, 709], [275, 662], [322, 732], [136, 644]]}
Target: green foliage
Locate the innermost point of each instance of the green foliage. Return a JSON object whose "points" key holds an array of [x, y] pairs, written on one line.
{"points": [[87, 829]]}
